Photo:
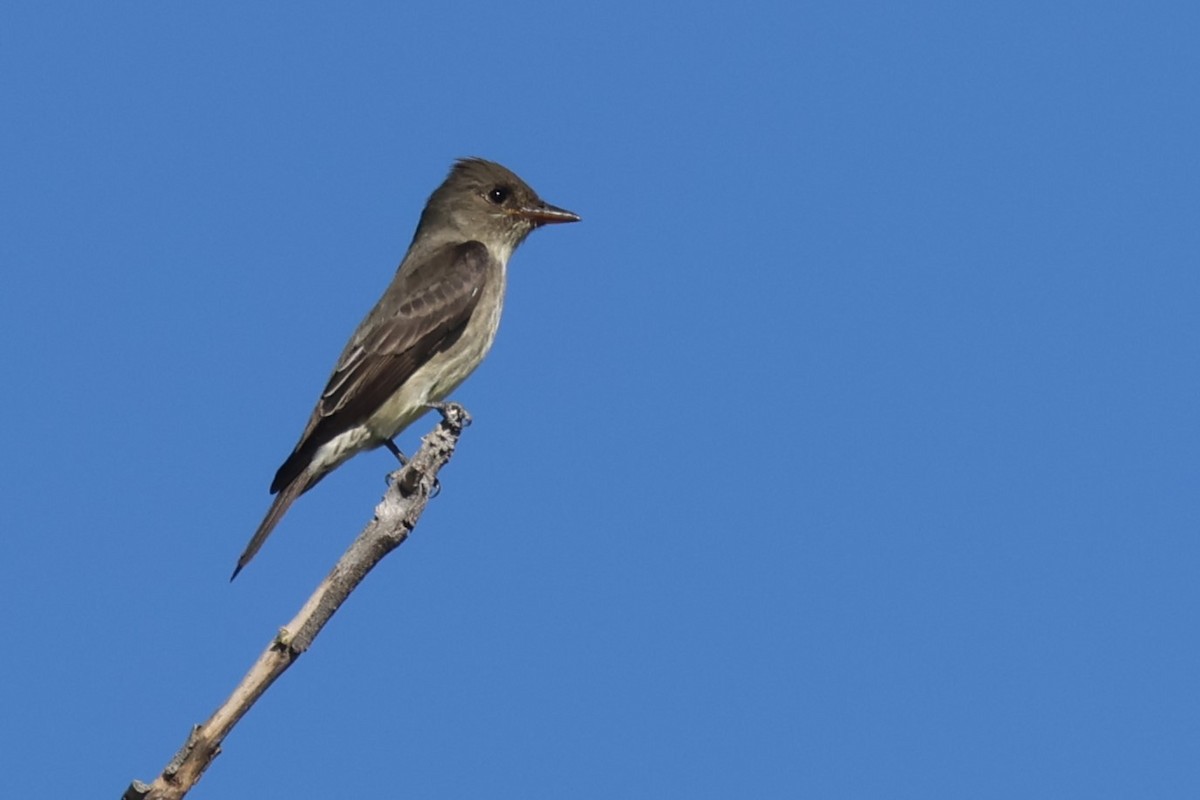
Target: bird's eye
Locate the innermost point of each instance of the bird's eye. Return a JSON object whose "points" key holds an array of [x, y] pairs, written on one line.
{"points": [[499, 194]]}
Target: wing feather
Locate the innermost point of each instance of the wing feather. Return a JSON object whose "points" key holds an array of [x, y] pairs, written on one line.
{"points": [[424, 312]]}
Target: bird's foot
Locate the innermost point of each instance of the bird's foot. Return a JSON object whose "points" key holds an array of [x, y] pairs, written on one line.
{"points": [[452, 414], [399, 454], [403, 459], [391, 445]]}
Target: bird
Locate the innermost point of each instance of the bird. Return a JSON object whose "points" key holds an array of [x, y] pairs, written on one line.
{"points": [[430, 329]]}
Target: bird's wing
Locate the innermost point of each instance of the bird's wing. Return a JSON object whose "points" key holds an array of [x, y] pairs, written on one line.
{"points": [[424, 312]]}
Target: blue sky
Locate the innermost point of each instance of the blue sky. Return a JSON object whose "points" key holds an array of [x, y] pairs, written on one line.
{"points": [[847, 448]]}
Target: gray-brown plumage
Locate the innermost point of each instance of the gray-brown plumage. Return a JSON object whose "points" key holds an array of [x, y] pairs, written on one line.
{"points": [[428, 332]]}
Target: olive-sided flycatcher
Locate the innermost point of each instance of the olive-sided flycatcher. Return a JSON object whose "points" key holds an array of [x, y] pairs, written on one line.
{"points": [[428, 332]]}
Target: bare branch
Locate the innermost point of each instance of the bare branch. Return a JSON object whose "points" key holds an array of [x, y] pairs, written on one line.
{"points": [[395, 517]]}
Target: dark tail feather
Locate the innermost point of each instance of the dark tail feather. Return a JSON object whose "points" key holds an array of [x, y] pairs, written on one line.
{"points": [[279, 507]]}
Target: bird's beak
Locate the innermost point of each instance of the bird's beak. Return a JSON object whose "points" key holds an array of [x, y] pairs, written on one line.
{"points": [[546, 214]]}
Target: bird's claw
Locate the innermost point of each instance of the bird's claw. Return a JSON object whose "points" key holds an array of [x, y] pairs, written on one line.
{"points": [[452, 413], [403, 459], [391, 446]]}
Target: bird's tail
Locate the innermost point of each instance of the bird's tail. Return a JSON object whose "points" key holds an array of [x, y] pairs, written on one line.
{"points": [[287, 495]]}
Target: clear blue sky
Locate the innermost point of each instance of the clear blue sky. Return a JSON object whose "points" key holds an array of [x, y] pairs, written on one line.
{"points": [[847, 448]]}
